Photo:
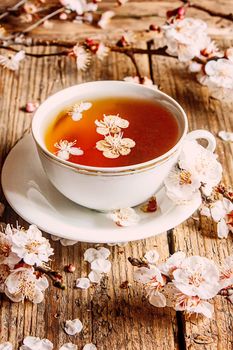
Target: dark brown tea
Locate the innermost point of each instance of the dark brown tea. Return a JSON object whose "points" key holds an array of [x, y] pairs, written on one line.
{"points": [[112, 132]]}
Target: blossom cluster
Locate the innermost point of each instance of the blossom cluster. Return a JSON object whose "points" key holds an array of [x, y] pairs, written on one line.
{"points": [[185, 283], [113, 145], [21, 253], [35, 343], [202, 172]]}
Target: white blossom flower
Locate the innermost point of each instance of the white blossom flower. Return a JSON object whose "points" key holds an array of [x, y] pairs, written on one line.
{"points": [[203, 164], [226, 273], [185, 38], [35, 343], [22, 283], [152, 256], [73, 327], [65, 149], [102, 51], [193, 304], [221, 212], [197, 276], [101, 265], [171, 264], [12, 61], [105, 19], [111, 124], [124, 217], [95, 276], [6, 346], [226, 135], [30, 8], [83, 283], [69, 346], [218, 74], [79, 6], [154, 281], [92, 254], [89, 346], [6, 255], [4, 273], [115, 146], [31, 246], [26, 18], [181, 185], [83, 57], [77, 109]]}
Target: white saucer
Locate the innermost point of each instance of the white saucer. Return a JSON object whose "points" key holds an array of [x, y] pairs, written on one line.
{"points": [[34, 198]]}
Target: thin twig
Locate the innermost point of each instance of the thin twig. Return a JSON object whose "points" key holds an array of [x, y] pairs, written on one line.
{"points": [[212, 13], [130, 54], [13, 8], [36, 24], [38, 55]]}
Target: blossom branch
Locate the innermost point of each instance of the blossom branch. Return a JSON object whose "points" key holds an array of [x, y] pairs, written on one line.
{"points": [[37, 23], [228, 194], [55, 276], [182, 282], [130, 54], [129, 51], [11, 9]]}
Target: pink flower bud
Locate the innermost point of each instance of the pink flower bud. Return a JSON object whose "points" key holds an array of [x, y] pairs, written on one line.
{"points": [[63, 16], [70, 268], [31, 107]]}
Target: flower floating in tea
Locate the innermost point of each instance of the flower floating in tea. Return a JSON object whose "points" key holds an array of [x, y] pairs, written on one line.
{"points": [[65, 149], [111, 124], [115, 146], [77, 109]]}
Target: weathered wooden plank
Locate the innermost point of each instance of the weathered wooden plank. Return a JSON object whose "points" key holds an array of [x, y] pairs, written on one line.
{"points": [[198, 238], [120, 318]]}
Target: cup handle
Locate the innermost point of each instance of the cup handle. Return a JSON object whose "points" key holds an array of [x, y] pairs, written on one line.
{"points": [[203, 134]]}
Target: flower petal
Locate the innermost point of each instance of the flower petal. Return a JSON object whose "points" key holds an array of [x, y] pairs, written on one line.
{"points": [[83, 283], [101, 265], [73, 327]]}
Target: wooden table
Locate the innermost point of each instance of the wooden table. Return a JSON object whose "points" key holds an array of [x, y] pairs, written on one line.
{"points": [[113, 317]]}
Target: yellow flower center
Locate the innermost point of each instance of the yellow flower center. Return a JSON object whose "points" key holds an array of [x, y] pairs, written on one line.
{"points": [[185, 177]]}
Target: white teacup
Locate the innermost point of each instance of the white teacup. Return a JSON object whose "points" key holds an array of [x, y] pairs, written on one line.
{"points": [[109, 188]]}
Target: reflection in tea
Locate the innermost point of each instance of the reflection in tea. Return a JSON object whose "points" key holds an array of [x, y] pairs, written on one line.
{"points": [[112, 132]]}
